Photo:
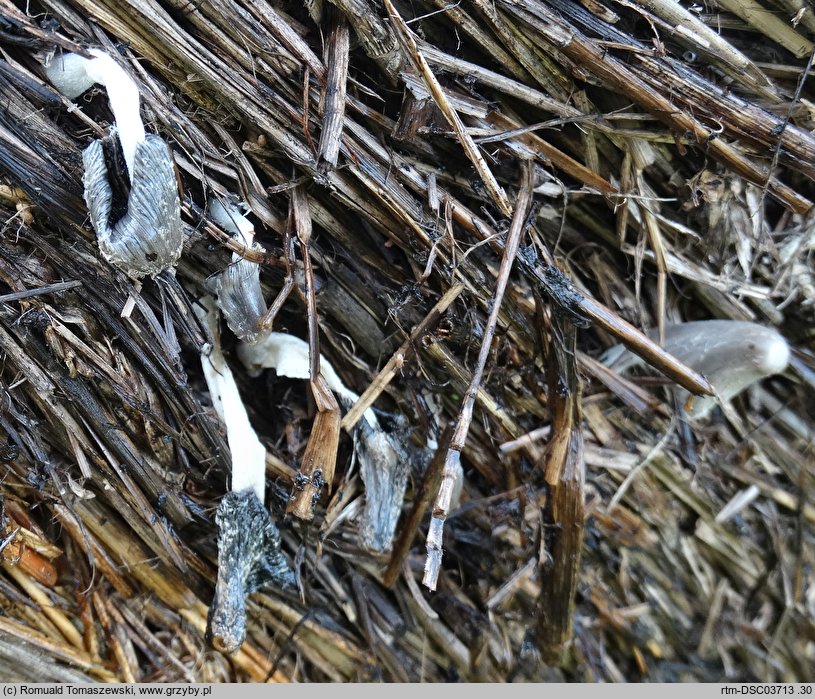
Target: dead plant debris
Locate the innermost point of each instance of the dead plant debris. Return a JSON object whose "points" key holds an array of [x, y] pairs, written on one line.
{"points": [[439, 191]]}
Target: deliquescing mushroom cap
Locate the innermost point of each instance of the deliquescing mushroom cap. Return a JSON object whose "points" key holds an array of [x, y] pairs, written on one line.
{"points": [[149, 238], [237, 288]]}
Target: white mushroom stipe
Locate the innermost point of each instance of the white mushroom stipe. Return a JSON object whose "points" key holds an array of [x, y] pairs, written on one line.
{"points": [[73, 74], [288, 355], [232, 220], [237, 288], [731, 354], [248, 455]]}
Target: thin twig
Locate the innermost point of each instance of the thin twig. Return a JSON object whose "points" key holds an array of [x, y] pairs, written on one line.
{"points": [[452, 462], [320, 456], [40, 291]]}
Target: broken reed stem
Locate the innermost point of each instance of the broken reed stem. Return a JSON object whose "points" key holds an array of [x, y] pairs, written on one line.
{"points": [[421, 501], [452, 462], [620, 77], [644, 347], [405, 36], [399, 357], [13, 552], [40, 291], [336, 61], [564, 470], [13, 629], [54, 614], [320, 456]]}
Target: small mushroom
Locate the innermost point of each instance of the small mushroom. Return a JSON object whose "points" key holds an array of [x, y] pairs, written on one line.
{"points": [[382, 457], [149, 237], [237, 288], [249, 558], [249, 555], [383, 465], [731, 354]]}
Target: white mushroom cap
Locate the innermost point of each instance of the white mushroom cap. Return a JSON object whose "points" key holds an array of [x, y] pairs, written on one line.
{"points": [[731, 354]]}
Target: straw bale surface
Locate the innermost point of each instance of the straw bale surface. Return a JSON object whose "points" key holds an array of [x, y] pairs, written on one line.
{"points": [[672, 154]]}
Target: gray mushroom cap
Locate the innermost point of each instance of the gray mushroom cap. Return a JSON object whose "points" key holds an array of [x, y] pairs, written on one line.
{"points": [[384, 470], [149, 237], [240, 298], [249, 558]]}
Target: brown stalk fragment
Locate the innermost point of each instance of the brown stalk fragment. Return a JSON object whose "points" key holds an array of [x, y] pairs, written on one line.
{"points": [[564, 470], [266, 321], [320, 456], [336, 60], [189, 208], [15, 553], [547, 151], [635, 397], [452, 463], [429, 485], [579, 308]]}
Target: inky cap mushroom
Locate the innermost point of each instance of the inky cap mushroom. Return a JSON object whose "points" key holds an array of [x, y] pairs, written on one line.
{"points": [[249, 555], [149, 237], [384, 470], [249, 558], [731, 354], [237, 288]]}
